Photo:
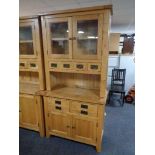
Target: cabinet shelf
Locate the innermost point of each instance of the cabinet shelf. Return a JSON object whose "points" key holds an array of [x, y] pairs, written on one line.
{"points": [[59, 39], [87, 38], [26, 41], [73, 93]]}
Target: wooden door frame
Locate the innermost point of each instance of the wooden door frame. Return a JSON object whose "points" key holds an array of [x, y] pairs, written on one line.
{"points": [[48, 33], [99, 41], [32, 24]]}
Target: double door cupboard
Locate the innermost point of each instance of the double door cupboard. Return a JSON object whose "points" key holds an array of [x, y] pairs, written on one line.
{"points": [[75, 120], [31, 75], [75, 50], [76, 37]]}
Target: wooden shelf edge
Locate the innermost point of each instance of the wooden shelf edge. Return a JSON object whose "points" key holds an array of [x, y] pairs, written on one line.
{"points": [[72, 71]]}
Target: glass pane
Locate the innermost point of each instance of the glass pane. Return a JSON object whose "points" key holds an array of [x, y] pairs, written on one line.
{"points": [[87, 36], [25, 33], [59, 30], [26, 49], [60, 47], [59, 38]]}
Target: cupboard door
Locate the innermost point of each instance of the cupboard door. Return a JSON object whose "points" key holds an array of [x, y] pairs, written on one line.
{"points": [[84, 129], [28, 112], [59, 124], [27, 40], [87, 33], [59, 35]]}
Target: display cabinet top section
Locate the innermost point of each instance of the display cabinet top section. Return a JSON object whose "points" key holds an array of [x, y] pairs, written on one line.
{"points": [[103, 7]]}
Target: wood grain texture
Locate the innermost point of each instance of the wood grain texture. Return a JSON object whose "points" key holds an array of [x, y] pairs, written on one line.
{"points": [[74, 100], [31, 79]]}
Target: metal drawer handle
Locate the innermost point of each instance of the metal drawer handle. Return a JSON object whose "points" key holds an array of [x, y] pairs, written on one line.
{"points": [[22, 64], [84, 112], [58, 102], [94, 66], [79, 66], [84, 106], [54, 65], [66, 65], [59, 108], [32, 65]]}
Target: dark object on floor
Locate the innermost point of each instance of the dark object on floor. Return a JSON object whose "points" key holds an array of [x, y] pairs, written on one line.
{"points": [[117, 84], [130, 97], [118, 138]]}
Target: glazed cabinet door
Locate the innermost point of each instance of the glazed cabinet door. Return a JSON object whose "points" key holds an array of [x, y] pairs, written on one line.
{"points": [[84, 129], [59, 124], [27, 39], [59, 35], [87, 37], [28, 112]]}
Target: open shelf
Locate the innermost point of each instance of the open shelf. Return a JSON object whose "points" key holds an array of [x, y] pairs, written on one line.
{"points": [[73, 93], [28, 87], [28, 82]]}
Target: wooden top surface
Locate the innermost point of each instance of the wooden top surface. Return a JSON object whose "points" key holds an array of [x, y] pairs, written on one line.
{"points": [[78, 94], [102, 7]]}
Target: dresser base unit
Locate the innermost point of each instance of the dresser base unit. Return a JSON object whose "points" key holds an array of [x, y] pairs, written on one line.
{"points": [[31, 113], [76, 120]]}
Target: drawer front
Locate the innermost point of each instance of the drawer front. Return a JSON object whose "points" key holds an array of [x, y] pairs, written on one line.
{"points": [[58, 105], [54, 65], [23, 65], [84, 109], [94, 67], [66, 66], [33, 65], [80, 66]]}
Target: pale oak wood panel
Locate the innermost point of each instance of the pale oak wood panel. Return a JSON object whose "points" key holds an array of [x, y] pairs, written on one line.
{"points": [[29, 117]]}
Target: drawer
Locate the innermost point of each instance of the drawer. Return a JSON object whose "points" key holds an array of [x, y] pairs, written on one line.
{"points": [[66, 65], [58, 105], [54, 65], [23, 65], [33, 65], [80, 66], [84, 109], [94, 67]]}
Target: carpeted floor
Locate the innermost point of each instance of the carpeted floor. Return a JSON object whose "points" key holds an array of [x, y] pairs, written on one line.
{"points": [[119, 137]]}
